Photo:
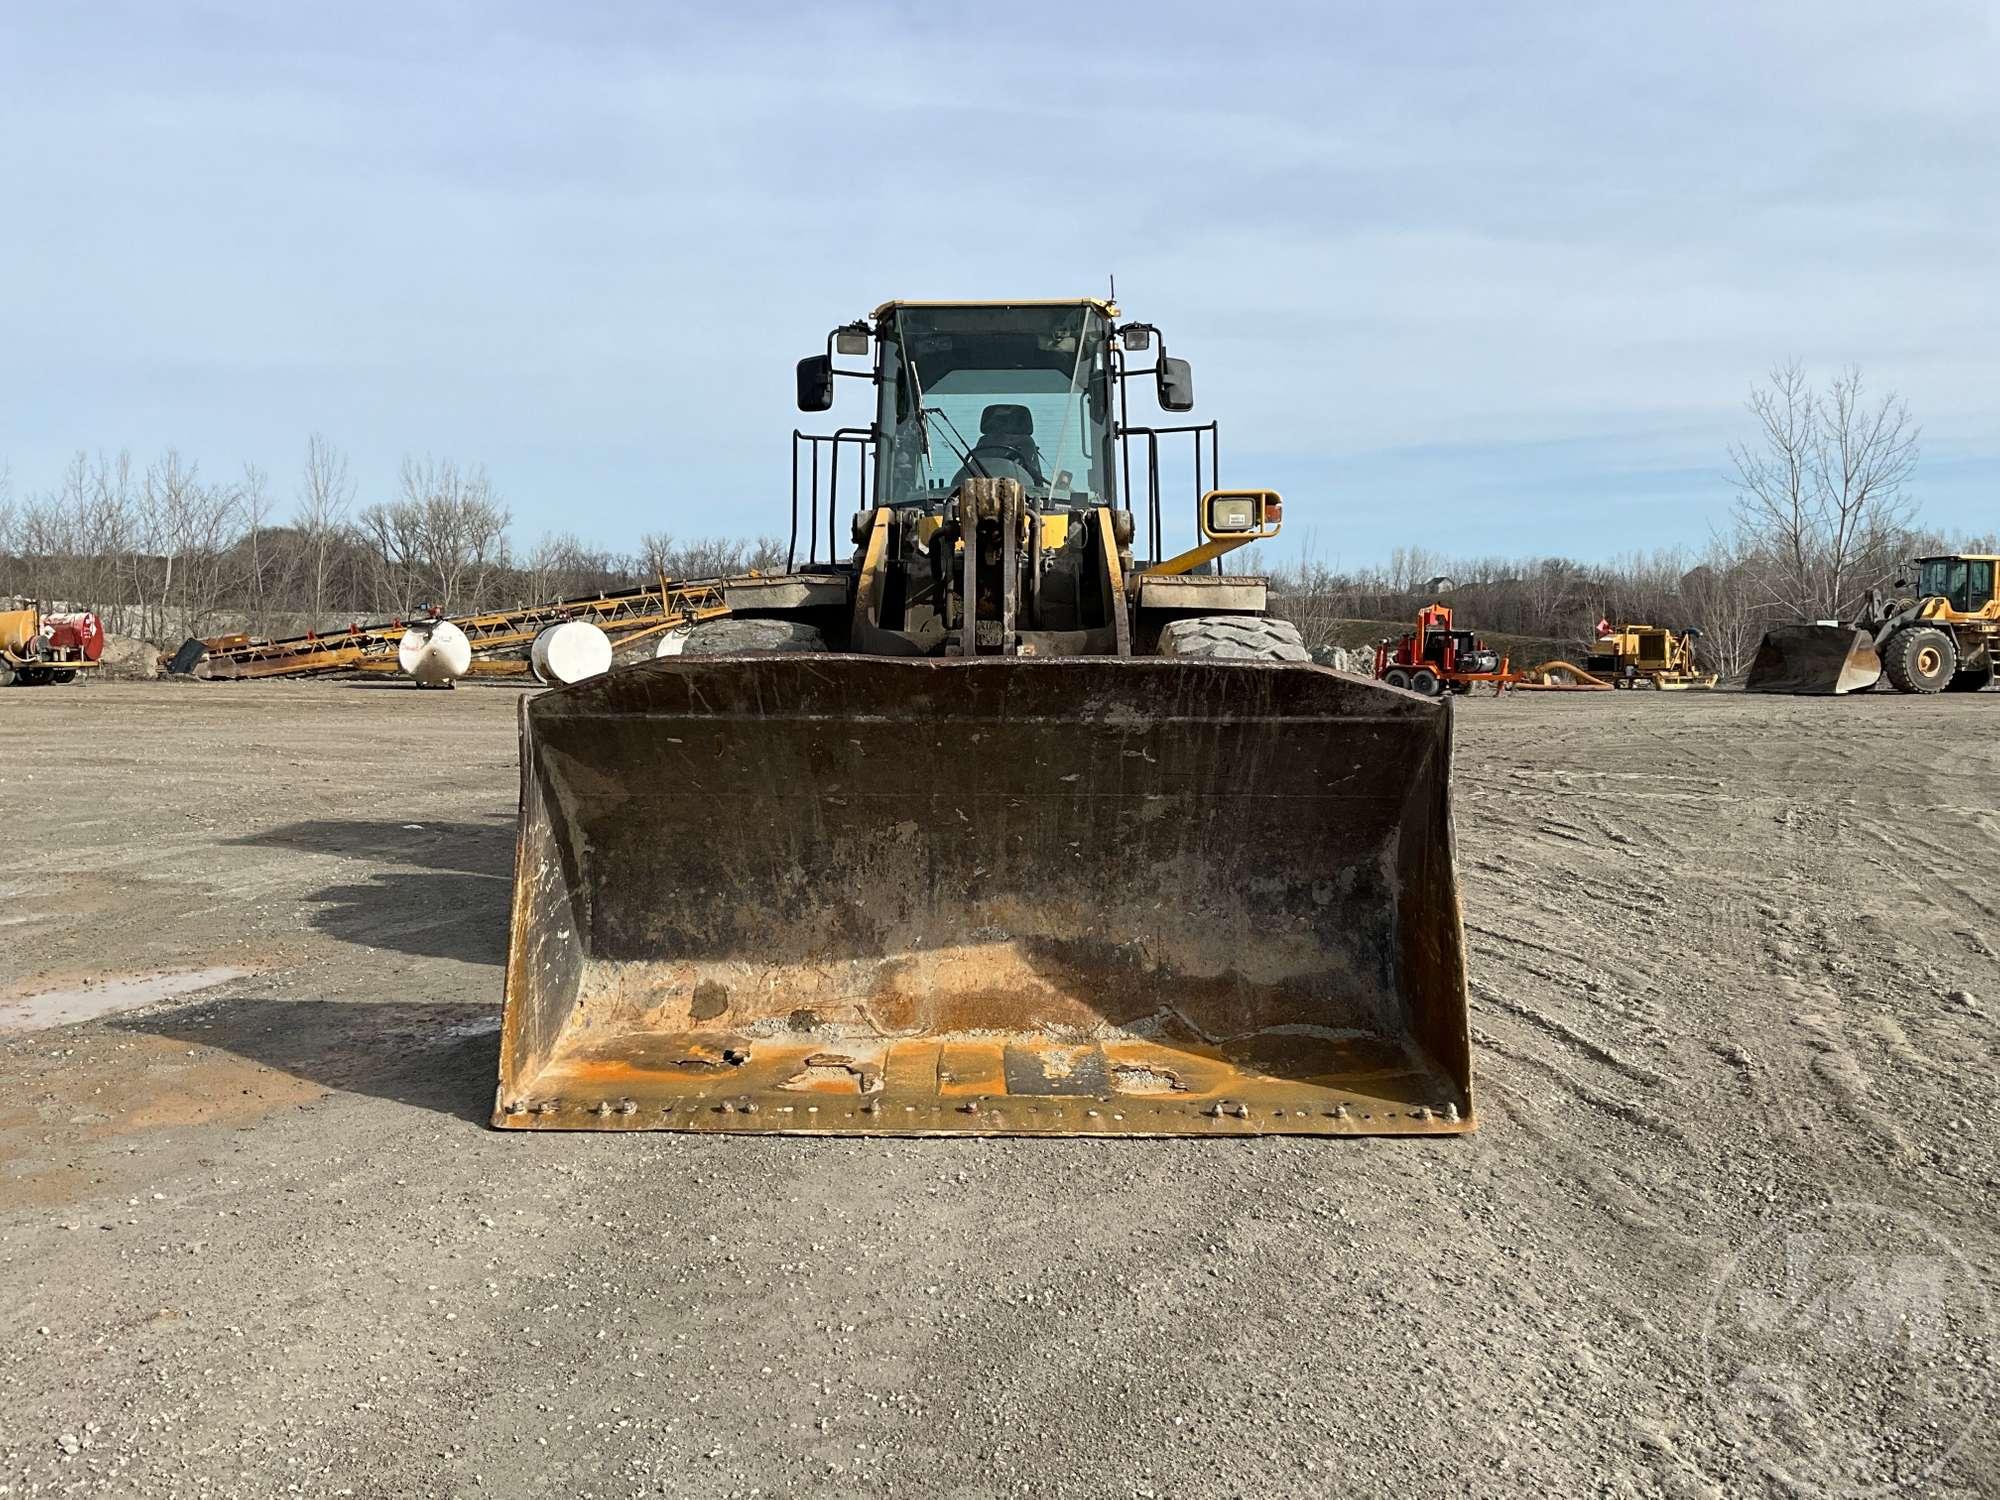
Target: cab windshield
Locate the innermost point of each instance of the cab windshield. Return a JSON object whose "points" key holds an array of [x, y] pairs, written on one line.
{"points": [[1013, 392], [1966, 582]]}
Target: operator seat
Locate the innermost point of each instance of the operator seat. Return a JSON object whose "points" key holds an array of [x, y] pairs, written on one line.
{"points": [[1006, 448]]}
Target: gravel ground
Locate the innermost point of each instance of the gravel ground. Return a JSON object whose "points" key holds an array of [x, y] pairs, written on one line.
{"points": [[1733, 977]]}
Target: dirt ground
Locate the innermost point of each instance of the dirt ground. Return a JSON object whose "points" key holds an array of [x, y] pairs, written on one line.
{"points": [[1733, 962]]}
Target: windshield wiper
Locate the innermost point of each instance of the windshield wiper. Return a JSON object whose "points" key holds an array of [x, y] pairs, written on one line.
{"points": [[958, 441], [922, 411]]}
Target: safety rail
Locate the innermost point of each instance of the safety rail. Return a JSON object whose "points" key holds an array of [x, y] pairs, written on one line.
{"points": [[862, 438], [1155, 521]]}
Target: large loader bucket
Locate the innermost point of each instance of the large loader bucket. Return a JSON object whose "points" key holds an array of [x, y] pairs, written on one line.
{"points": [[1814, 659], [1085, 896]]}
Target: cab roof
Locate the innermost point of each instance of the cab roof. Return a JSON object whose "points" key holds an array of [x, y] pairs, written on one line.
{"points": [[1109, 309], [1961, 557]]}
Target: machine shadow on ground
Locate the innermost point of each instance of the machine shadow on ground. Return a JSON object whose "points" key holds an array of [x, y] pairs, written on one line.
{"points": [[454, 905], [441, 1057]]}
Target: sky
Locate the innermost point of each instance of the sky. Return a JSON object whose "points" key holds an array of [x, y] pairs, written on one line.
{"points": [[1488, 279]]}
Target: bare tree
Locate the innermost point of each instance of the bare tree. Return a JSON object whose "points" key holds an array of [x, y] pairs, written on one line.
{"points": [[1720, 598], [443, 541], [185, 532], [325, 493], [1865, 456], [708, 557], [253, 498], [656, 551], [1820, 490], [560, 566]]}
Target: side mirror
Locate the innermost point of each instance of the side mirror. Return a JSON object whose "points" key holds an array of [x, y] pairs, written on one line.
{"points": [[1175, 384], [816, 382]]}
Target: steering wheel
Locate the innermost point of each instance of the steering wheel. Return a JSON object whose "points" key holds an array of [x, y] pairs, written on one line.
{"points": [[1029, 460]]}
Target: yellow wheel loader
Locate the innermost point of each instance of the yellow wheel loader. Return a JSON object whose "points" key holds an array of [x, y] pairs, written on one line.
{"points": [[1941, 639], [992, 825]]}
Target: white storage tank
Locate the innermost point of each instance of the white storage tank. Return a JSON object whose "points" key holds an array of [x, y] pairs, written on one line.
{"points": [[435, 652], [570, 652]]}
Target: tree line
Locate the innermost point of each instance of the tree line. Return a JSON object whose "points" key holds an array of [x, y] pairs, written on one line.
{"points": [[163, 551], [1822, 512]]}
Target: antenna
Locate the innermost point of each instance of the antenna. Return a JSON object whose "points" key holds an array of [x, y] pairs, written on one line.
{"points": [[1114, 288]]}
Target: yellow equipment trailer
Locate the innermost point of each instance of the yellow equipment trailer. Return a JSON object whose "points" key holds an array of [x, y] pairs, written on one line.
{"points": [[990, 826], [1649, 655]]}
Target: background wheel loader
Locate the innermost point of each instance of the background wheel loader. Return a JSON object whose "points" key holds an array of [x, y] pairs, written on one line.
{"points": [[990, 826], [1942, 639]]}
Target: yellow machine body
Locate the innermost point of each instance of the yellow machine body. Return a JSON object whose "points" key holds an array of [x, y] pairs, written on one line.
{"points": [[1631, 655]]}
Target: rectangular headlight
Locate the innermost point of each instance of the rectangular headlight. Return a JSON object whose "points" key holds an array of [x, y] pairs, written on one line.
{"points": [[1232, 515]]}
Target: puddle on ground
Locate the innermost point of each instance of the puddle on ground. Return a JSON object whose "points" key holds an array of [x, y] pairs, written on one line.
{"points": [[102, 997]]}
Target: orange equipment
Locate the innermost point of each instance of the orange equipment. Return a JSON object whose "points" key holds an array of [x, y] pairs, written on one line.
{"points": [[37, 649], [1437, 658]]}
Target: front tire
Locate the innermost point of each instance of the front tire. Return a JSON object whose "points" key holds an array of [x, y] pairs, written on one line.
{"points": [[1396, 677], [1234, 638], [1920, 659]]}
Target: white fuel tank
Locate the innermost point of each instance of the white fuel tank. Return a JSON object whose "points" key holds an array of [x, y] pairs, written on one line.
{"points": [[570, 652], [435, 652]]}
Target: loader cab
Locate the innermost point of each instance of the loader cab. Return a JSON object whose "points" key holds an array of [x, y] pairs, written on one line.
{"points": [[1965, 583]]}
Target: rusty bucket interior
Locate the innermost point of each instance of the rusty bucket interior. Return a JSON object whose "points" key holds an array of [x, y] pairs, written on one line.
{"points": [[840, 894], [1814, 660]]}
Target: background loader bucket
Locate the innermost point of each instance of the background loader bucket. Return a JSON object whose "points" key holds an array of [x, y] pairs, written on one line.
{"points": [[1809, 659], [1081, 896]]}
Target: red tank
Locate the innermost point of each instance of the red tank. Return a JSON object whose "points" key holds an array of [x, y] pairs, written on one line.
{"points": [[73, 637]]}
